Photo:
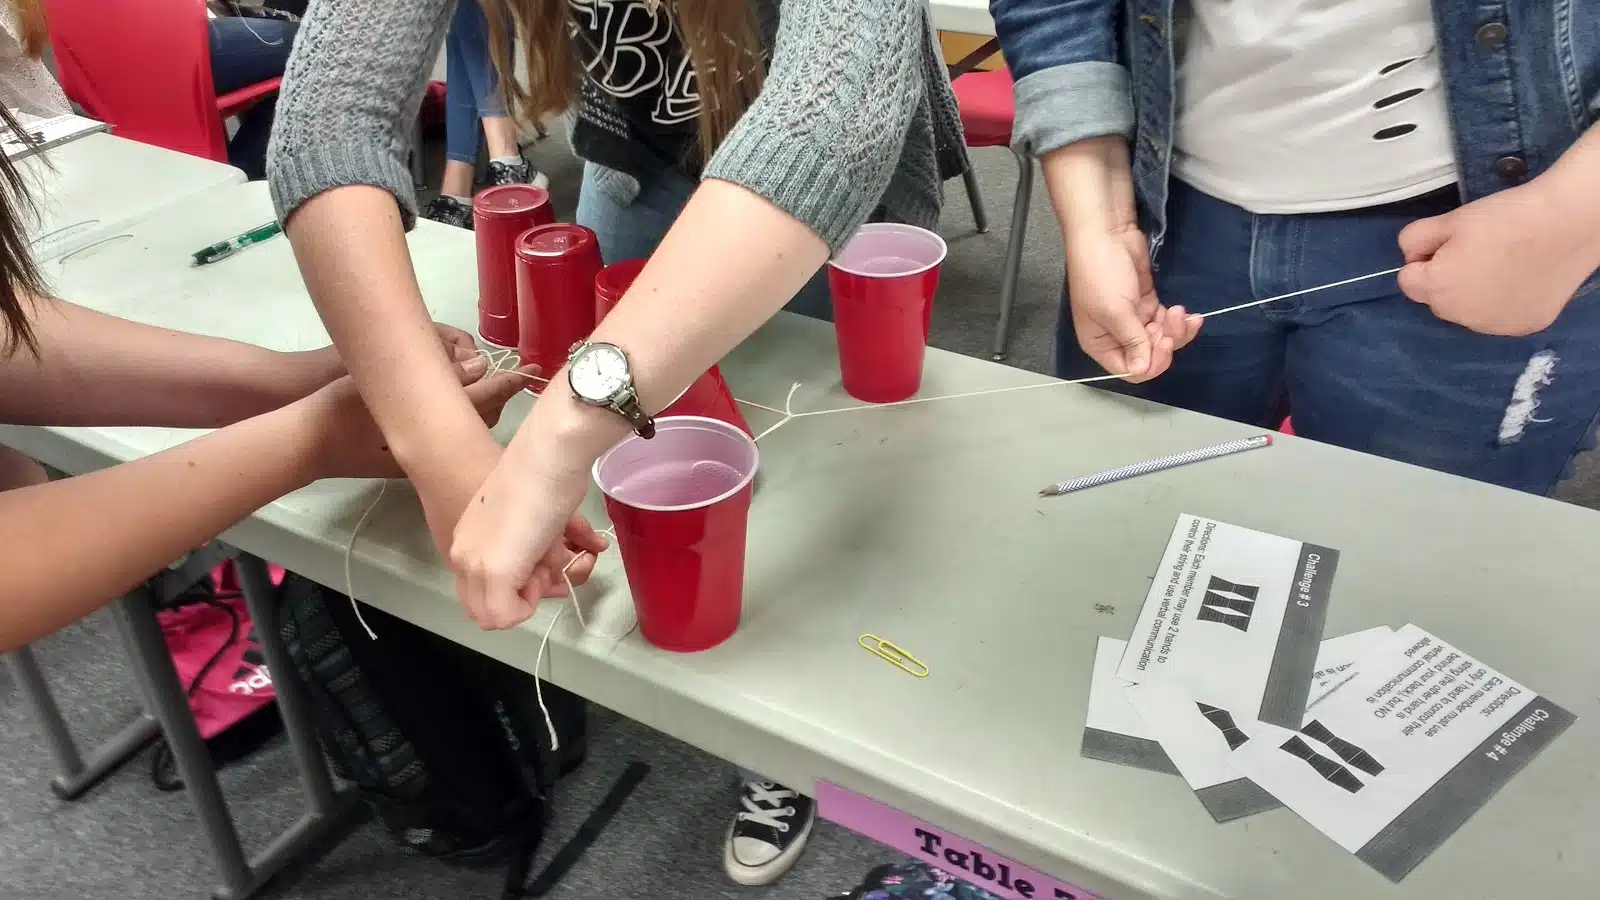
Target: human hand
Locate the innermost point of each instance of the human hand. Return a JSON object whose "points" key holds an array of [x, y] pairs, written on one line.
{"points": [[521, 540], [1119, 320], [1505, 264], [341, 440], [307, 370]]}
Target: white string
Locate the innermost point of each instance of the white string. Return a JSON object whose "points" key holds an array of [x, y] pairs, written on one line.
{"points": [[349, 551], [1309, 290]]}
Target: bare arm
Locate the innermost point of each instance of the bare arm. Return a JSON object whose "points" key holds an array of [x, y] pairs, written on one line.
{"points": [[69, 547], [340, 182], [352, 251], [95, 369], [1091, 187]]}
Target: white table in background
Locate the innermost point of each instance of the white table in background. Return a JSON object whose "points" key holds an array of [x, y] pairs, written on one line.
{"points": [[85, 190], [965, 16], [920, 524]]}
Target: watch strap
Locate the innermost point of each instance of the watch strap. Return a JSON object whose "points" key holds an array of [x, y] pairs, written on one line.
{"points": [[627, 405]]}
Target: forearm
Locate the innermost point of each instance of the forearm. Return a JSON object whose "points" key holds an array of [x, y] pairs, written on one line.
{"points": [[353, 255], [1572, 187], [728, 264], [95, 369], [1091, 187], [71, 546]]}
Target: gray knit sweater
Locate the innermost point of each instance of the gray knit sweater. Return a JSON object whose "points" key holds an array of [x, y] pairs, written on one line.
{"points": [[856, 111]]}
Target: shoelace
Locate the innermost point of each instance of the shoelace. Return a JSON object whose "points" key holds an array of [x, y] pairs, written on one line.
{"points": [[770, 795]]}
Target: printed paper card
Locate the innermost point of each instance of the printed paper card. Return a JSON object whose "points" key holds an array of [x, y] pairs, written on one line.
{"points": [[1392, 762], [1336, 661], [1112, 730], [1200, 739], [1234, 616]]}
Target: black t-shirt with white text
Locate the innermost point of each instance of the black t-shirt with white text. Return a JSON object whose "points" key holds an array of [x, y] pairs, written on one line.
{"points": [[634, 59]]}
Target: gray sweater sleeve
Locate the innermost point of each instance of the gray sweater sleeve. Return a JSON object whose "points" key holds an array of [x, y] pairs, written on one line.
{"points": [[823, 139], [350, 96]]}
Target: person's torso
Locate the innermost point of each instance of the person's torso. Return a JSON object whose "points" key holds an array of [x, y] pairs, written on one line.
{"points": [[632, 53], [1296, 106], [1521, 84], [638, 113]]}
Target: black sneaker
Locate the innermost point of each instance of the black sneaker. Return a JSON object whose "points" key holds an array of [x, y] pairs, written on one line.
{"points": [[515, 173], [768, 834], [449, 211]]}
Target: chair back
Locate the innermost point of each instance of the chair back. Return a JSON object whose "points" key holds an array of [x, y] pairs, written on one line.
{"points": [[142, 66]]}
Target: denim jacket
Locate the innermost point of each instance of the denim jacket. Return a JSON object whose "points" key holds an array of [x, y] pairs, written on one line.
{"points": [[1521, 81]]}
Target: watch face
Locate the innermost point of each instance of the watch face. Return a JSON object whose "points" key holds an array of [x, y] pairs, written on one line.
{"points": [[599, 373]]}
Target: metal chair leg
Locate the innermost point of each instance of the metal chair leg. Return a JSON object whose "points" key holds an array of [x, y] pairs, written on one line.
{"points": [[975, 197], [1019, 228]]}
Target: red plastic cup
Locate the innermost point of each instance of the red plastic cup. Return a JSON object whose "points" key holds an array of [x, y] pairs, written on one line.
{"points": [[709, 396], [680, 504], [612, 282], [499, 215], [556, 267], [883, 283]]}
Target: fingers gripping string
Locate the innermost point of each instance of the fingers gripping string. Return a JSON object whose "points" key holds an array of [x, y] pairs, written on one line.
{"points": [[538, 661]]}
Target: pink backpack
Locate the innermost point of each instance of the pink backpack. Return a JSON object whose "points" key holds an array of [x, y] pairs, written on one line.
{"points": [[213, 645]]}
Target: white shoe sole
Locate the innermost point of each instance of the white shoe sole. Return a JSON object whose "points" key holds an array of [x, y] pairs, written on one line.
{"points": [[760, 876]]}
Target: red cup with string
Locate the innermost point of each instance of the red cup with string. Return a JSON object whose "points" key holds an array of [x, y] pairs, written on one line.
{"points": [[883, 283], [680, 503], [556, 268], [499, 216], [709, 395]]}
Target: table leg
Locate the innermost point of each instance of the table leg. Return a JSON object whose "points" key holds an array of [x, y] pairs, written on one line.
{"points": [[165, 696], [328, 809], [293, 705], [75, 775]]}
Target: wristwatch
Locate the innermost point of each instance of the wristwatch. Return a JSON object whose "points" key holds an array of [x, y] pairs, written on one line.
{"points": [[599, 375]]}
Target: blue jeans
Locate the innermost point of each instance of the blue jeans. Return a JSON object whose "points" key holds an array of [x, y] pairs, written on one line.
{"points": [[245, 52], [632, 231], [472, 87], [1362, 366]]}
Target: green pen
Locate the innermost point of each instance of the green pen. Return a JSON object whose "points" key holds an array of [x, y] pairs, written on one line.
{"points": [[233, 245]]}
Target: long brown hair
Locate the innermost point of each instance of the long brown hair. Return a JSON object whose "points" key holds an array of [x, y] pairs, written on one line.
{"points": [[32, 29], [20, 281], [719, 36]]}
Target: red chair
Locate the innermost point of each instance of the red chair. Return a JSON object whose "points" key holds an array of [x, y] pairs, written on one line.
{"points": [[987, 112], [144, 67]]}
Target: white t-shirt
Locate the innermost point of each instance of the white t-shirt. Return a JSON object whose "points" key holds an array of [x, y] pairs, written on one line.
{"points": [[1296, 106]]}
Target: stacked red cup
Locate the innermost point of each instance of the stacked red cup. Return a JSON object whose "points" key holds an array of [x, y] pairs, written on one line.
{"points": [[556, 268], [500, 215], [709, 396]]}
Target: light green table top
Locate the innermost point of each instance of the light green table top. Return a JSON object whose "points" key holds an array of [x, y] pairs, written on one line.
{"points": [[86, 190], [921, 525]]}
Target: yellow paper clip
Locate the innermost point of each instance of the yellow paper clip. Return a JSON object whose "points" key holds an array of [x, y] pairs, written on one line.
{"points": [[893, 654]]}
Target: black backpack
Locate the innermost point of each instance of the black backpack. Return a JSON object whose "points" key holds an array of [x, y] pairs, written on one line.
{"points": [[448, 746]]}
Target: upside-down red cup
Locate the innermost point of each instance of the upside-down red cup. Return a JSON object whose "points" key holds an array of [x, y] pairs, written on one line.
{"points": [[556, 266], [612, 282], [709, 396], [883, 283], [499, 216], [680, 504]]}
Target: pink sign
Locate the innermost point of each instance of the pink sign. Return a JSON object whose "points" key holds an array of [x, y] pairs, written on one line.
{"points": [[970, 862]]}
